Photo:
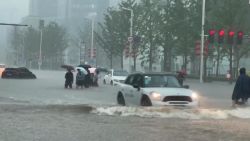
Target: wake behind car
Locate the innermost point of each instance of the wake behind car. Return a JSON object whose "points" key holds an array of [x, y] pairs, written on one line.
{"points": [[18, 73], [155, 89], [115, 77]]}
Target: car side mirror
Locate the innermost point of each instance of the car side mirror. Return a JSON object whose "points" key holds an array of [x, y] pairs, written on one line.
{"points": [[137, 87], [186, 86]]}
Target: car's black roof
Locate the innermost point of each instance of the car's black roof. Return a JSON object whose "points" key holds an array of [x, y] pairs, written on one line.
{"points": [[20, 68], [156, 73]]}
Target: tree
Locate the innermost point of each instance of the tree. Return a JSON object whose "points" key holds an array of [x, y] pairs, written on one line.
{"points": [[115, 31], [31, 45], [149, 31], [230, 14], [16, 45], [54, 43]]}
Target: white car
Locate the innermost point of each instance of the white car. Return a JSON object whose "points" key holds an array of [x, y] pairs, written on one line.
{"points": [[155, 89], [115, 77]]}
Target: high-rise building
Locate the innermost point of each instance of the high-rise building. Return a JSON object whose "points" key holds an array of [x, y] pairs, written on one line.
{"points": [[44, 8], [67, 11], [74, 15]]}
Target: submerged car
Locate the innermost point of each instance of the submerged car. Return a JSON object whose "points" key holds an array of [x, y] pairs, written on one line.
{"points": [[22, 73], [155, 89], [115, 77]]}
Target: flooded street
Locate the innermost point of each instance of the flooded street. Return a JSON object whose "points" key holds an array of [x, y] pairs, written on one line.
{"points": [[34, 110]]}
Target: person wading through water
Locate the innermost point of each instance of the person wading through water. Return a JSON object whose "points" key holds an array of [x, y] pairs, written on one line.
{"points": [[241, 89]]}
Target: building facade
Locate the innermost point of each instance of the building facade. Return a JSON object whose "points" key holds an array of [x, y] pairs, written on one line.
{"points": [[75, 16]]}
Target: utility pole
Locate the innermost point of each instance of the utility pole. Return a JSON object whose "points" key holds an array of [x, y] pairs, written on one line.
{"points": [[202, 41], [131, 36], [92, 38], [231, 65], [41, 25]]}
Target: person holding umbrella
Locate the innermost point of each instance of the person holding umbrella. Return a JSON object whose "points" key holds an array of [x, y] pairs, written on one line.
{"points": [[80, 76], [87, 80]]}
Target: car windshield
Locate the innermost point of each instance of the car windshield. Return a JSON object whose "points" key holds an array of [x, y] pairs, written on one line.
{"points": [[161, 81], [120, 73]]}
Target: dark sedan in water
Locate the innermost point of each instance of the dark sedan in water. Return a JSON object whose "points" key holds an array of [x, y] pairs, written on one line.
{"points": [[19, 73]]}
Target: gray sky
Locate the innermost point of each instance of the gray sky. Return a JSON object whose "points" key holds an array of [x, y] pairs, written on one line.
{"points": [[12, 11]]}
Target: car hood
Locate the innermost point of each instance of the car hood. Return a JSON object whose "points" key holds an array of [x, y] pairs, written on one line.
{"points": [[119, 77], [169, 91]]}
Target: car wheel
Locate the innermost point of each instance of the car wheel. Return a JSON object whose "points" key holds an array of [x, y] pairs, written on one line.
{"points": [[33, 76], [104, 81], [120, 99], [145, 101]]}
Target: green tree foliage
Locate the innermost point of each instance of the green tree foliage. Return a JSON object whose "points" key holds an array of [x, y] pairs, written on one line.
{"points": [[26, 43], [54, 43], [16, 45], [114, 31], [170, 28], [230, 15], [149, 30], [31, 45]]}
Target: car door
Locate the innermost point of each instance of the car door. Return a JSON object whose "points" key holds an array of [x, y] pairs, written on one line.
{"points": [[128, 90], [137, 91]]}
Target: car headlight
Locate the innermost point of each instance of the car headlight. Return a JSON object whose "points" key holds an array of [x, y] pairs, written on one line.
{"points": [[155, 96], [195, 96]]}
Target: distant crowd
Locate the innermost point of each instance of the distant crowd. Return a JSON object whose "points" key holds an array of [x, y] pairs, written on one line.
{"points": [[83, 79]]}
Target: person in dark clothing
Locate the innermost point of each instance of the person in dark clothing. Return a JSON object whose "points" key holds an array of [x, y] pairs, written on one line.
{"points": [[241, 89], [69, 78], [87, 80], [80, 77]]}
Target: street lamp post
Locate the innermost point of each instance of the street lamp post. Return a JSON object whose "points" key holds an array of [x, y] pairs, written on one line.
{"points": [[92, 17], [131, 35], [41, 25], [92, 37], [202, 41], [82, 49], [40, 50]]}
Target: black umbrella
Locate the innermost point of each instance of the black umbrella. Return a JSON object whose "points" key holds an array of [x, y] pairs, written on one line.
{"points": [[85, 66], [69, 67]]}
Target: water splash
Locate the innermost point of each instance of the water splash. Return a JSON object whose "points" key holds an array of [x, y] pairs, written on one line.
{"points": [[166, 112]]}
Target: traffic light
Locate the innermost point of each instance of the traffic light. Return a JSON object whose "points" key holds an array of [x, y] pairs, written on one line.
{"points": [[240, 37], [41, 24], [89, 52], [94, 53], [211, 36], [126, 51], [221, 35], [230, 39]]}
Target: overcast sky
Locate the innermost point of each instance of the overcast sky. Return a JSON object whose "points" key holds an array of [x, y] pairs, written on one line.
{"points": [[12, 11]]}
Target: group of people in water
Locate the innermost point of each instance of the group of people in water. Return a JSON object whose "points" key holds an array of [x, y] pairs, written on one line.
{"points": [[82, 79]]}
